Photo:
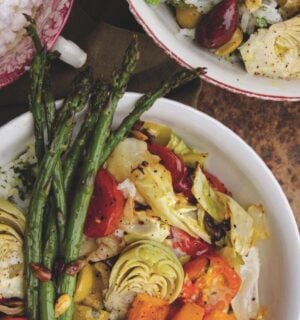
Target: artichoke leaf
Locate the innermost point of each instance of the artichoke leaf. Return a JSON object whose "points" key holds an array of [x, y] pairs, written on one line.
{"points": [[207, 197], [128, 154], [189, 156], [145, 266], [11, 266], [7, 206], [274, 52], [154, 183], [241, 234], [7, 230], [12, 216], [260, 223], [143, 226], [12, 221]]}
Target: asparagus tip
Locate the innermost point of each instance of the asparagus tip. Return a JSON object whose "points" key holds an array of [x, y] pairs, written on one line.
{"points": [[200, 70]]}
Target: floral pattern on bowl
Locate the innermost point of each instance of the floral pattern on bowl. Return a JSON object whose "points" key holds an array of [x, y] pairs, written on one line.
{"points": [[50, 18]]}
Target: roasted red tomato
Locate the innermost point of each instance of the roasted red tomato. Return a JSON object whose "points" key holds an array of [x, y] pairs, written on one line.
{"points": [[216, 183], [179, 172], [188, 244], [106, 207], [210, 282]]}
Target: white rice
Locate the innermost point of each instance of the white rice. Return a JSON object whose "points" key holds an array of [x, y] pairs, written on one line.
{"points": [[183, 32], [12, 21], [203, 5], [267, 11]]}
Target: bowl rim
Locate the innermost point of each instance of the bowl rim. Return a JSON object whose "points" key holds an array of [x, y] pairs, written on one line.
{"points": [[18, 73], [205, 77]]}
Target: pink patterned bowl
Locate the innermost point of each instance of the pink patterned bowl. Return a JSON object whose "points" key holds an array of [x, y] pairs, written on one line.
{"points": [[50, 18]]}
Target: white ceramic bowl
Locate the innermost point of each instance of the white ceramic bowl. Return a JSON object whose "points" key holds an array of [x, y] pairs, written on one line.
{"points": [[160, 24], [243, 172]]}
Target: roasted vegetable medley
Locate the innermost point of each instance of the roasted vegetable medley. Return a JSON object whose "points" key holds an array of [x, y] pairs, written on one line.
{"points": [[263, 34], [123, 224]]}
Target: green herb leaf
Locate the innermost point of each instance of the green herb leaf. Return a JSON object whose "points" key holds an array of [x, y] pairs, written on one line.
{"points": [[153, 2], [261, 22]]}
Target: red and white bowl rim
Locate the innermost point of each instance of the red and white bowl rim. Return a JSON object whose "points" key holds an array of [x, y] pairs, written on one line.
{"points": [[207, 78], [53, 17]]}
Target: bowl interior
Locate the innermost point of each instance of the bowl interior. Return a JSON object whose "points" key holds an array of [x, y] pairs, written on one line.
{"points": [[243, 172], [159, 22]]}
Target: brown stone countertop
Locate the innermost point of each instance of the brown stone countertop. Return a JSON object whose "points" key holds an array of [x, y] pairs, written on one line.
{"points": [[271, 128]]}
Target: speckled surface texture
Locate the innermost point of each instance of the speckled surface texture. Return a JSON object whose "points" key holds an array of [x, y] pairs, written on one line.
{"points": [[271, 128]]}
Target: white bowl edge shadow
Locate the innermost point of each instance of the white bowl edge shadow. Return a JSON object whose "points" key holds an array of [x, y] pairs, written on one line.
{"points": [[161, 26], [243, 172]]}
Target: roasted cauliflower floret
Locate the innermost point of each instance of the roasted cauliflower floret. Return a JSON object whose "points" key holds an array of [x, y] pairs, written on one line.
{"points": [[274, 52]]}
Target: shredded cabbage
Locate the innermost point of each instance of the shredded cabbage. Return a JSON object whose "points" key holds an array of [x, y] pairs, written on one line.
{"points": [[260, 224], [233, 258], [140, 225], [127, 156], [241, 234], [189, 156], [154, 183], [159, 132], [207, 197], [246, 303]]}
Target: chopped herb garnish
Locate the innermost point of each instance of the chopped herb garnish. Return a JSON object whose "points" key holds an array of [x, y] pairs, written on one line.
{"points": [[261, 22]]}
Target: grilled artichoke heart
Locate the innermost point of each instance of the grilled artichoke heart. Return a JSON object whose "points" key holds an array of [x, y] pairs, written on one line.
{"points": [[274, 52], [147, 267], [12, 216], [12, 225]]}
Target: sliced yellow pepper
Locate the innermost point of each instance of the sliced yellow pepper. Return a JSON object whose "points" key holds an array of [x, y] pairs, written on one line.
{"points": [[84, 283], [100, 282]]}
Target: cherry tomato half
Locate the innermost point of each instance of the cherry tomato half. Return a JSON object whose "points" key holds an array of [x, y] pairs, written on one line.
{"points": [[188, 244], [216, 183], [210, 282], [106, 207], [180, 176]]}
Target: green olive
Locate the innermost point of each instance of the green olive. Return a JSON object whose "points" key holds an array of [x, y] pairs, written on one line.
{"points": [[187, 16]]}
